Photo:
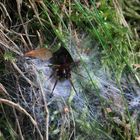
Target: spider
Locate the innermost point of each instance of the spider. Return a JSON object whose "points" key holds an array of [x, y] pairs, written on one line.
{"points": [[62, 64]]}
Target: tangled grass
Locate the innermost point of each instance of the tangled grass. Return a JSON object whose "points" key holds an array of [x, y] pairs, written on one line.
{"points": [[112, 26]]}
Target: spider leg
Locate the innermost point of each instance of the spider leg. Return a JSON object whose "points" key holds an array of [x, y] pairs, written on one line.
{"points": [[50, 76], [54, 86], [52, 72]]}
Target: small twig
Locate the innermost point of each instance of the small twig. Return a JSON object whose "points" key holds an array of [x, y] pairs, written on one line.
{"points": [[120, 14], [45, 106], [28, 80], [3, 9], [18, 125], [5, 41], [34, 7], [19, 3], [2, 89], [18, 107]]}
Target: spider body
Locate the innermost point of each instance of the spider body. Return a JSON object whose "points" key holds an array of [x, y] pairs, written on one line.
{"points": [[62, 64], [63, 71]]}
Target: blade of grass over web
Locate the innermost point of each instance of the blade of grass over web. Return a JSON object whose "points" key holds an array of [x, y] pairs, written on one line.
{"points": [[112, 56], [105, 46], [108, 34], [124, 59], [128, 35]]}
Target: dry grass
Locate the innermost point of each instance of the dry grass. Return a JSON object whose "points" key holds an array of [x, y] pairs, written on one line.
{"points": [[25, 111]]}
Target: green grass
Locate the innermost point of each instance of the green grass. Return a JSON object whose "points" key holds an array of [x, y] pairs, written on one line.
{"points": [[56, 24]]}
